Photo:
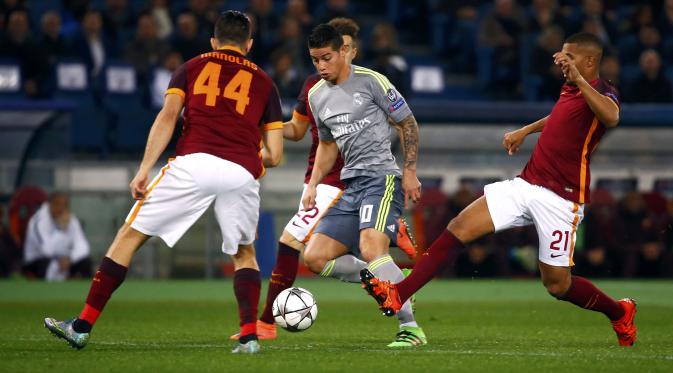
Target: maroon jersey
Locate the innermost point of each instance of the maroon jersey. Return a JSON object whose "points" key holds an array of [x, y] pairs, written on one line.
{"points": [[228, 101], [560, 161], [303, 112]]}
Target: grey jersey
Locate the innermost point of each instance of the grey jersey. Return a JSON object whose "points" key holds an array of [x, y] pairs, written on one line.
{"points": [[354, 114]]}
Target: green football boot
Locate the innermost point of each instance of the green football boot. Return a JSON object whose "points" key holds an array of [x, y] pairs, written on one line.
{"points": [[406, 272], [409, 336], [64, 330], [251, 347]]}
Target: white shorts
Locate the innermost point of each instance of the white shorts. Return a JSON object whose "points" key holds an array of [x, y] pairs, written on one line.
{"points": [[183, 191], [516, 203], [303, 223]]}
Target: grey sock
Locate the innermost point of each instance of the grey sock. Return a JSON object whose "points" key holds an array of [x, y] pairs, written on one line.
{"points": [[385, 268], [345, 268]]}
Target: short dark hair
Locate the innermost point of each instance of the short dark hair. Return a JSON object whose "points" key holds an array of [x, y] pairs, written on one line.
{"points": [[232, 27], [57, 194], [324, 35], [585, 39], [345, 26]]}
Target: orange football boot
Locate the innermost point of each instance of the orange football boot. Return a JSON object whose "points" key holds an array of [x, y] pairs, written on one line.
{"points": [[384, 292], [405, 241], [625, 328], [264, 331]]}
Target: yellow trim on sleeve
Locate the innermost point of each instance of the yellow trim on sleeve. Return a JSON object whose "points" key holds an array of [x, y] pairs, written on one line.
{"points": [[175, 91], [299, 116], [273, 126], [381, 79]]}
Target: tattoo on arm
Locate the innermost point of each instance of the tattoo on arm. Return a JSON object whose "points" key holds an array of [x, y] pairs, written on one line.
{"points": [[409, 128]]}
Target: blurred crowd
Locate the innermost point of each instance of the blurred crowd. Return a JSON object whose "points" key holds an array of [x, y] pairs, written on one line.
{"points": [[506, 45], [629, 236]]}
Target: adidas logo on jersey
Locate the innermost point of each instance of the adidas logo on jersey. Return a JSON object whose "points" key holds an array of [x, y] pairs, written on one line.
{"points": [[327, 112], [391, 228]]}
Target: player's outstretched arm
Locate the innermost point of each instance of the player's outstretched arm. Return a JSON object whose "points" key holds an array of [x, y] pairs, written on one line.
{"points": [[325, 157], [272, 152], [513, 140], [409, 138], [159, 137], [295, 129]]}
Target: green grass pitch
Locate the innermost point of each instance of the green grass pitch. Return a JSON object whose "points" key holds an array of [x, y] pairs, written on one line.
{"points": [[472, 326]]}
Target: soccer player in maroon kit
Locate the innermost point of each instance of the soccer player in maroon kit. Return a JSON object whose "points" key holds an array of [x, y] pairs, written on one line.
{"points": [[550, 193], [230, 107]]}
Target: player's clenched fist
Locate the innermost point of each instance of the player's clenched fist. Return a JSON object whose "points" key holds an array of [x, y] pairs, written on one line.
{"points": [[308, 200], [513, 140], [139, 185]]}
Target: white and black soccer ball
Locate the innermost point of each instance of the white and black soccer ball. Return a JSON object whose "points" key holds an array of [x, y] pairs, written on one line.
{"points": [[295, 309]]}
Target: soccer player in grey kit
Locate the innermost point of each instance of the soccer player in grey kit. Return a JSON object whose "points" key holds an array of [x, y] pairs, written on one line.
{"points": [[351, 106]]}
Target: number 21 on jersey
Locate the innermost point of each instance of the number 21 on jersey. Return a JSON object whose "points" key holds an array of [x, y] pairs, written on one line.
{"points": [[238, 88]]}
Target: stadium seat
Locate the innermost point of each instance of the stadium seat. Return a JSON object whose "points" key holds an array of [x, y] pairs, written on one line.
{"points": [[10, 78], [130, 115]]}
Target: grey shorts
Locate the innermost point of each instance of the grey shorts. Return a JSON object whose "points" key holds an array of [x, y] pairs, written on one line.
{"points": [[367, 202]]}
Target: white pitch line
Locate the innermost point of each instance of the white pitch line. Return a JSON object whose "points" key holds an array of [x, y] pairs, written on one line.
{"points": [[368, 350]]}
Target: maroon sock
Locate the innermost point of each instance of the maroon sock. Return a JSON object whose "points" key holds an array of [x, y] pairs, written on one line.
{"points": [[282, 277], [586, 295], [106, 280], [247, 283], [439, 256]]}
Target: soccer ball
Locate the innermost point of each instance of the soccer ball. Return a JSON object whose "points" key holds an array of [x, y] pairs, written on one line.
{"points": [[295, 309]]}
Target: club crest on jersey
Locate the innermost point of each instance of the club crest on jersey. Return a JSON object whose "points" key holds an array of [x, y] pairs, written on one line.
{"points": [[357, 99], [392, 96]]}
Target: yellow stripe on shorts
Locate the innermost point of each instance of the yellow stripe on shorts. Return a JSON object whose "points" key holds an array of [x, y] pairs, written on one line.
{"points": [[384, 207]]}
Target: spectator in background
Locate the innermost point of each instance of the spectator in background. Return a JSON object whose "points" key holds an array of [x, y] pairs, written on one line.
{"points": [[162, 77], [542, 64], [666, 19], [610, 70], [651, 85], [501, 30], [265, 23], [284, 73], [146, 49], [206, 14], [92, 45], [55, 247], [118, 21], [386, 57], [640, 18], [18, 44], [52, 42], [291, 41], [297, 9], [602, 21], [162, 17], [335, 9], [543, 14], [187, 40]]}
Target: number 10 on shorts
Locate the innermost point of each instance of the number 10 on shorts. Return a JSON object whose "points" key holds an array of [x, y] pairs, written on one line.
{"points": [[366, 213]]}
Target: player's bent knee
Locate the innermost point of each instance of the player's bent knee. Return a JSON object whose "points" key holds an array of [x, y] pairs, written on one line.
{"points": [[314, 261]]}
